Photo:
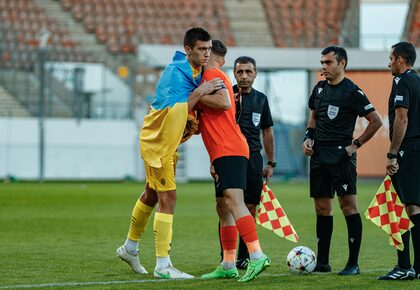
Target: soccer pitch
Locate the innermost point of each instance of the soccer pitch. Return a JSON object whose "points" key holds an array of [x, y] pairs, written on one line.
{"points": [[64, 235]]}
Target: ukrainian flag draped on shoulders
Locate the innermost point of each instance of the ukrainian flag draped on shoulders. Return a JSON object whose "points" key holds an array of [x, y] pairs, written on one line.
{"points": [[163, 126]]}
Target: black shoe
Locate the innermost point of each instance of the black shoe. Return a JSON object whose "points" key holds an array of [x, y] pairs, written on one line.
{"points": [[242, 264], [350, 270], [399, 273], [324, 268]]}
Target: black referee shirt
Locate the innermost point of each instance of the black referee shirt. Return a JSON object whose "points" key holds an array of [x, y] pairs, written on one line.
{"points": [[337, 108], [253, 114], [406, 93]]}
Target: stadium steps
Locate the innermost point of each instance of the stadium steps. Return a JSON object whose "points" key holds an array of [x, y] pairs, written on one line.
{"points": [[25, 87], [9, 106], [248, 23], [86, 40]]}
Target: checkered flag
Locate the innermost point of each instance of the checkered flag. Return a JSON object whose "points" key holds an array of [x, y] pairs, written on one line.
{"points": [[387, 212], [271, 216]]}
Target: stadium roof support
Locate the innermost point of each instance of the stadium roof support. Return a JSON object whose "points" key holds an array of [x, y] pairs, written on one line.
{"points": [[274, 58]]}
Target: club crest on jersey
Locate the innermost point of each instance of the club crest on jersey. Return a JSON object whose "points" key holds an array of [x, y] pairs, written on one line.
{"points": [[332, 111], [256, 117]]}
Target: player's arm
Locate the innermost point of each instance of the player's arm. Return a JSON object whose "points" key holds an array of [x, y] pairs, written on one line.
{"points": [[207, 87], [400, 127], [268, 143], [219, 100], [308, 142]]}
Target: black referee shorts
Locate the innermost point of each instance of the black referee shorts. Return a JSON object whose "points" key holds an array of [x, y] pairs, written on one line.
{"points": [[407, 179], [232, 173], [332, 170], [254, 178]]}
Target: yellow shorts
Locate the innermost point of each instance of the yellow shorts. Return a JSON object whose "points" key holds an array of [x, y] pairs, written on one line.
{"points": [[162, 179]]}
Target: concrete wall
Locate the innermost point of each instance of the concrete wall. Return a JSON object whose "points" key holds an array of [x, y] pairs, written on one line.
{"points": [[89, 149]]}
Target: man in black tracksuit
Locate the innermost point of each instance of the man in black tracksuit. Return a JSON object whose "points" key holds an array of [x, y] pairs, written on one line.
{"points": [[335, 104]]}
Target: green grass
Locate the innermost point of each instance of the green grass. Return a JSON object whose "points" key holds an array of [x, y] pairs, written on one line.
{"points": [[56, 233]]}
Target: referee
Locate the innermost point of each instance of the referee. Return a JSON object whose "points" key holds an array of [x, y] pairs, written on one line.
{"points": [[253, 116], [404, 152], [335, 104]]}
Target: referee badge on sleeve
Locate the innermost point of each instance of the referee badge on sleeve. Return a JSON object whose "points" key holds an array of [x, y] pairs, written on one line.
{"points": [[256, 117], [332, 111]]}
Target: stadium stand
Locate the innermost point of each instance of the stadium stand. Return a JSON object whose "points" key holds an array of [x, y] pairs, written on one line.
{"points": [[298, 23], [20, 24], [412, 24], [123, 24]]}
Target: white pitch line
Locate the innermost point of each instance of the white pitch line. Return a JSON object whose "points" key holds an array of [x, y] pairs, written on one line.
{"points": [[87, 283], [148, 281]]}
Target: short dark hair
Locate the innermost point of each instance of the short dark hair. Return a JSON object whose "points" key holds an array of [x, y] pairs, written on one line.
{"points": [[340, 53], [195, 34], [244, 60], [218, 47], [406, 50]]}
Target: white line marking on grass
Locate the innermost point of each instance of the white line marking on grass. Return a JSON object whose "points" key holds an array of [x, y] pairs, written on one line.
{"points": [[152, 280], [87, 283]]}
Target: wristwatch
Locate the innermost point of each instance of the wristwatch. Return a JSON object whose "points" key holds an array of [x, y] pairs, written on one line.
{"points": [[272, 163], [390, 155], [357, 143]]}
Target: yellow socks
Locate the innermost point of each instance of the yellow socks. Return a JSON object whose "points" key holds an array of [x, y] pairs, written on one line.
{"points": [[139, 219], [162, 227]]}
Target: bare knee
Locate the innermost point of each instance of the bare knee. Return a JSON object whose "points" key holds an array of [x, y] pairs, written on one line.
{"points": [[348, 205], [167, 201], [149, 196], [323, 206], [252, 208]]}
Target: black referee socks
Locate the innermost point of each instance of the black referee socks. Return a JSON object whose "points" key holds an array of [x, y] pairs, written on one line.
{"points": [[324, 229], [415, 233], [354, 231]]}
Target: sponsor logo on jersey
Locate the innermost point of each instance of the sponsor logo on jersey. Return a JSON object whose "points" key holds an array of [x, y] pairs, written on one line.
{"points": [[397, 79], [319, 90], [398, 98], [332, 111], [256, 117], [367, 107]]}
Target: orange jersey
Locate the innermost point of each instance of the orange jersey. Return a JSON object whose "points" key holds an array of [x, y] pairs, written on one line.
{"points": [[219, 130]]}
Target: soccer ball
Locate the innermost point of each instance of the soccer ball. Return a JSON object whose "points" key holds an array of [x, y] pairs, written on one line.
{"points": [[301, 260]]}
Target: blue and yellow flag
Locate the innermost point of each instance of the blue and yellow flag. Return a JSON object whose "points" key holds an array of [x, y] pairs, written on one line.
{"points": [[163, 126]]}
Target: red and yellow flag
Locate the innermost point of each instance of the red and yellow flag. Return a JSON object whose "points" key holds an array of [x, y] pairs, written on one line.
{"points": [[271, 216], [387, 212]]}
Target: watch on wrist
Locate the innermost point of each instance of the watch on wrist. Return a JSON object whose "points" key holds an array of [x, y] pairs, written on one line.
{"points": [[357, 143], [390, 155], [272, 163]]}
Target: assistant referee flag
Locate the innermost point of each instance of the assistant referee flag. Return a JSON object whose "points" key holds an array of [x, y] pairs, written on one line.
{"points": [[387, 212], [271, 216]]}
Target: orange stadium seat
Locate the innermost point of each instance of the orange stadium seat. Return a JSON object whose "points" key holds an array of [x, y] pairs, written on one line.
{"points": [[24, 21], [298, 23], [148, 21]]}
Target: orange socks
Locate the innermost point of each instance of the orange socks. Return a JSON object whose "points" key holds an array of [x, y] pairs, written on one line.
{"points": [[248, 232], [229, 237]]}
